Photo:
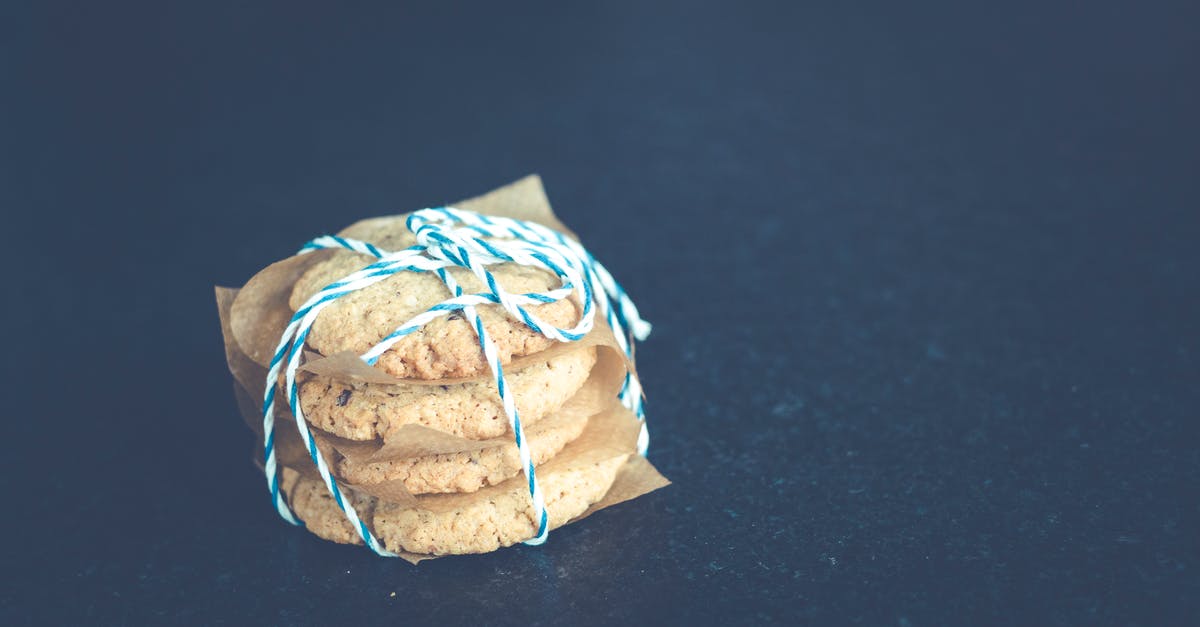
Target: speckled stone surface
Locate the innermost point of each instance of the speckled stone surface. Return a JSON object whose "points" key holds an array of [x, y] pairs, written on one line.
{"points": [[924, 282]]}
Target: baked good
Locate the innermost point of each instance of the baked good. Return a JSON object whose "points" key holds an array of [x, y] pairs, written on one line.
{"points": [[365, 411], [444, 348], [494, 517], [468, 471]]}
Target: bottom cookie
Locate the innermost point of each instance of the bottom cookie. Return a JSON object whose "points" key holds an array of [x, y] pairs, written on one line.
{"points": [[489, 519]]}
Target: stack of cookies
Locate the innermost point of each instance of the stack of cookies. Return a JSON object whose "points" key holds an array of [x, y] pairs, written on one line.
{"points": [[420, 442]]}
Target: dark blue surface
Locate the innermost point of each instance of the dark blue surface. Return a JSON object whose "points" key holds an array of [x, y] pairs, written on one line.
{"points": [[924, 280]]}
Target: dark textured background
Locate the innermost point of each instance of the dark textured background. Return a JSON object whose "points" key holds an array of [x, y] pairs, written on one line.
{"points": [[924, 280]]}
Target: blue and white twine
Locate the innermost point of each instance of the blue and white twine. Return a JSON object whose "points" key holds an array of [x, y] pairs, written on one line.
{"points": [[448, 237]]}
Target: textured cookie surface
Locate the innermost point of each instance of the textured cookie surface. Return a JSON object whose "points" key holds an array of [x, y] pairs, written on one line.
{"points": [[444, 348], [469, 471], [310, 500], [494, 517], [472, 410]]}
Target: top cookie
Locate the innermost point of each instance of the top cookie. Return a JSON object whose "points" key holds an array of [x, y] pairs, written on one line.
{"points": [[444, 348]]}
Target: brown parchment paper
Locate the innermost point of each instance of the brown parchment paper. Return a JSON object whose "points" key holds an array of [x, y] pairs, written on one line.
{"points": [[245, 370], [289, 449], [253, 318]]}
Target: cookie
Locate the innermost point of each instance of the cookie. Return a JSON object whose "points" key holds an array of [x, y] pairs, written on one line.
{"points": [[495, 520], [444, 348], [494, 517], [365, 411], [310, 500], [468, 471]]}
